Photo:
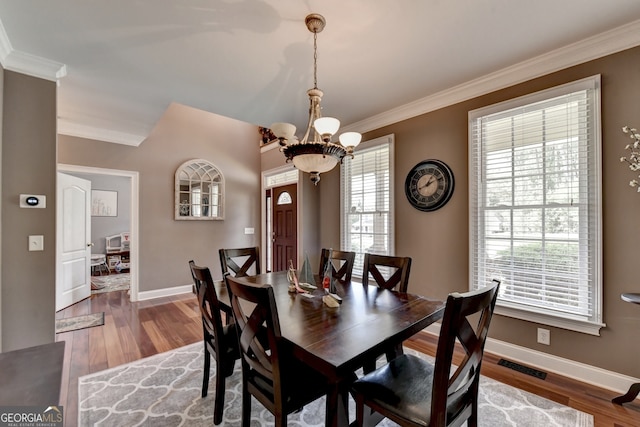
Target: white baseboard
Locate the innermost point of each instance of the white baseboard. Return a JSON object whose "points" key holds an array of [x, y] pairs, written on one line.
{"points": [[593, 375], [166, 292]]}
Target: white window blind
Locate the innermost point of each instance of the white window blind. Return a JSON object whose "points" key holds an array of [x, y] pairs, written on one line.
{"points": [[535, 204], [367, 201]]}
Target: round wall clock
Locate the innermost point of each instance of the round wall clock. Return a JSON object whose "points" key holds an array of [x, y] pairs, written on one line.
{"points": [[429, 185]]}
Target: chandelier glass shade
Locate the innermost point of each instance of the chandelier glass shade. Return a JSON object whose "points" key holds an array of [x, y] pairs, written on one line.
{"points": [[315, 153]]}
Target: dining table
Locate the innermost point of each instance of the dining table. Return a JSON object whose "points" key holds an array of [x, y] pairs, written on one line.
{"points": [[336, 341]]}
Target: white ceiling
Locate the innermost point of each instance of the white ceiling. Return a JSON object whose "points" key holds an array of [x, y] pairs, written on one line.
{"points": [[120, 63]]}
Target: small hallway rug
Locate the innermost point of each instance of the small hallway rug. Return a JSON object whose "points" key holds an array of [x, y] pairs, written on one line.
{"points": [[68, 324], [164, 390], [112, 282]]}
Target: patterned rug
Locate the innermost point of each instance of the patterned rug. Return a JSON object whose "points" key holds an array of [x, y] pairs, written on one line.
{"points": [[112, 282], [79, 322], [164, 390]]}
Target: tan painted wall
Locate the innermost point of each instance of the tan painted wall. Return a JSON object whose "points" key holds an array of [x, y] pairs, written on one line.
{"points": [[28, 166], [183, 133], [438, 241]]}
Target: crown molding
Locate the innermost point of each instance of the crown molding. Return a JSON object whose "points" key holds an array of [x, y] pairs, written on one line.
{"points": [[34, 66], [28, 64], [71, 128], [50, 70], [46, 69], [607, 43]]}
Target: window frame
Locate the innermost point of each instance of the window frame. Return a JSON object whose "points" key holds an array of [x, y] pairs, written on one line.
{"points": [[580, 323], [345, 233]]}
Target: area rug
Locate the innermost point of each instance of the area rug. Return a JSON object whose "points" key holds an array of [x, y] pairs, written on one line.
{"points": [[112, 282], [164, 390], [79, 322]]}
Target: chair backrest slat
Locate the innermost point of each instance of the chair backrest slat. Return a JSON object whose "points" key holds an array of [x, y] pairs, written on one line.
{"points": [[249, 257], [374, 265], [210, 308], [454, 393], [258, 328], [344, 260]]}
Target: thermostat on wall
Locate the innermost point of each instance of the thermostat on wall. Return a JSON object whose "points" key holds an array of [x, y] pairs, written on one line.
{"points": [[33, 201]]}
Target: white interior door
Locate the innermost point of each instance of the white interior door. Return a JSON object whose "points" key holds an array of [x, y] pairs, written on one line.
{"points": [[73, 252]]}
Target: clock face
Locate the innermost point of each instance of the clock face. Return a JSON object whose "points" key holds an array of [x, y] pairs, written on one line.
{"points": [[429, 185]]}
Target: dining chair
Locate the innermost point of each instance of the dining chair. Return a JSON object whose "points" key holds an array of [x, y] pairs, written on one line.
{"points": [[270, 373], [344, 261], [220, 341], [395, 268], [239, 262], [388, 272], [414, 392]]}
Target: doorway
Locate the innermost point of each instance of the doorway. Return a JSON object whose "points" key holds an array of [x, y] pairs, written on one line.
{"points": [[133, 213], [280, 241], [73, 233], [284, 201]]}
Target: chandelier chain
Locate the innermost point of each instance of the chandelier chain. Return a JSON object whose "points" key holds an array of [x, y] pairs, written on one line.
{"points": [[315, 60]]}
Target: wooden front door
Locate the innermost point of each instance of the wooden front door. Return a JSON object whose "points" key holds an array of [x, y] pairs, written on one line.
{"points": [[285, 226]]}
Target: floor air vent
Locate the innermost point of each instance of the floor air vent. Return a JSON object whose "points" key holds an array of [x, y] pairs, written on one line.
{"points": [[524, 369]]}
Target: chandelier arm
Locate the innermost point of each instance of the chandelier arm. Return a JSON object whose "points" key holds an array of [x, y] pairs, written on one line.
{"points": [[307, 133]]}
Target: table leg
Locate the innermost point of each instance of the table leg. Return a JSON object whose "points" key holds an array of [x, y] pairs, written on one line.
{"points": [[630, 396], [337, 410]]}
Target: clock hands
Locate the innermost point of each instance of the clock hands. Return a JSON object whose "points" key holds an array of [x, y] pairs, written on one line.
{"points": [[431, 178]]}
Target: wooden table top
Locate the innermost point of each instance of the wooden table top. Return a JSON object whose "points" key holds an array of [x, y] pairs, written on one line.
{"points": [[336, 341], [32, 376]]}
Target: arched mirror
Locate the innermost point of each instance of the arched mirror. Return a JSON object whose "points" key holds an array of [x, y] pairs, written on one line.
{"points": [[199, 191]]}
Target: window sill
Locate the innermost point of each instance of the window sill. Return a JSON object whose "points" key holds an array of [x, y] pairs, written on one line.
{"points": [[577, 325]]}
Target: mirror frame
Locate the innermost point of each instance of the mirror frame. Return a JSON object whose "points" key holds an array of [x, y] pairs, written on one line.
{"points": [[197, 173]]}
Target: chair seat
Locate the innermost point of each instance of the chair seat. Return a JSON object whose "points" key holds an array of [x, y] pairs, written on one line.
{"points": [[305, 383], [404, 386], [414, 392], [394, 387]]}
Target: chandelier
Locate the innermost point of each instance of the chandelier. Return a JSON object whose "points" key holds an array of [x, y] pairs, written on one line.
{"points": [[315, 153]]}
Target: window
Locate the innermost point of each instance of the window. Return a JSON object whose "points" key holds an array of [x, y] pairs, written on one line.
{"points": [[366, 184], [535, 205], [284, 199]]}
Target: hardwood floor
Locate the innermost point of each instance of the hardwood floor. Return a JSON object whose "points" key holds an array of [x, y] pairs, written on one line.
{"points": [[136, 330]]}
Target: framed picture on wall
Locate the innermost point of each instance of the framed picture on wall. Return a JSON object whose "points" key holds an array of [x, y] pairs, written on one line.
{"points": [[104, 203]]}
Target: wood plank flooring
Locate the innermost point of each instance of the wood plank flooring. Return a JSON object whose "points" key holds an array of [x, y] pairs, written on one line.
{"points": [[136, 330]]}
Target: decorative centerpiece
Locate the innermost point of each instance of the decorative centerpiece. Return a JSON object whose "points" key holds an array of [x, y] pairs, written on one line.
{"points": [[633, 160]]}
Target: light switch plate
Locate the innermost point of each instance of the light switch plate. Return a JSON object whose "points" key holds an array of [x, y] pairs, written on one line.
{"points": [[36, 243], [248, 230]]}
